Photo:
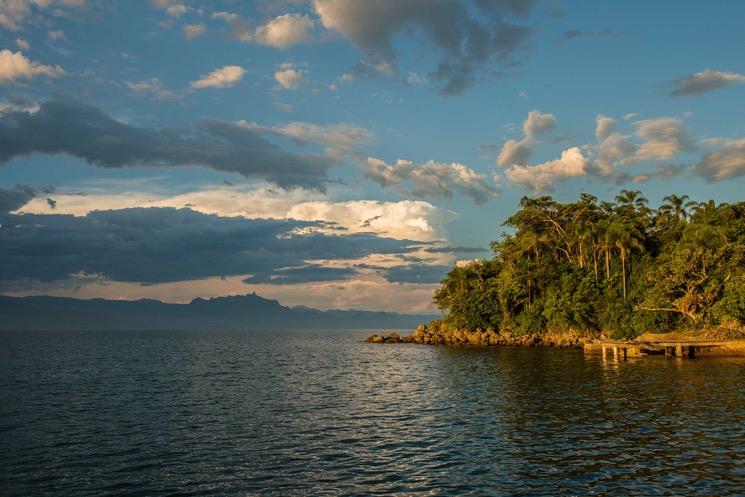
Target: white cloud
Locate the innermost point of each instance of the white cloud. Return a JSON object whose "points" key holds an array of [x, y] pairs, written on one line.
{"points": [[538, 122], [704, 81], [542, 177], [289, 76], [14, 13], [18, 106], [515, 152], [663, 138], [14, 66], [23, 44], [339, 139], [192, 31], [281, 32], [604, 125], [404, 220], [225, 16], [520, 151], [224, 77], [725, 162], [611, 150], [177, 10], [431, 179]]}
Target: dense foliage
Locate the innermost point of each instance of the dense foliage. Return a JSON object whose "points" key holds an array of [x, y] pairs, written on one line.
{"points": [[619, 268]]}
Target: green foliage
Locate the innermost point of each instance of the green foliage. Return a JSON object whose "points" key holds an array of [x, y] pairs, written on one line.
{"points": [[621, 268]]}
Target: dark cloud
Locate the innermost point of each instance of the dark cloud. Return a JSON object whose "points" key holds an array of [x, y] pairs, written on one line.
{"points": [[13, 198], [65, 126], [154, 245], [576, 34], [416, 274], [458, 250], [468, 33]]}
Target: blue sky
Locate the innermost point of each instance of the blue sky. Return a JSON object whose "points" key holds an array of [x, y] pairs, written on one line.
{"points": [[373, 144]]}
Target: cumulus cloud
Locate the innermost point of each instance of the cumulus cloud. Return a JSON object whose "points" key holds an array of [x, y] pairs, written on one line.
{"points": [[284, 31], [663, 138], [542, 177], [281, 32], [63, 126], [339, 140], [192, 31], [537, 122], [289, 76], [725, 162], [604, 125], [431, 179], [611, 150], [15, 66], [14, 13], [224, 77], [23, 44], [520, 151], [468, 33], [704, 81]]}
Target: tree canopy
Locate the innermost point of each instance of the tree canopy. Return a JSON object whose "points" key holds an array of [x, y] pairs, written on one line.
{"points": [[620, 268]]}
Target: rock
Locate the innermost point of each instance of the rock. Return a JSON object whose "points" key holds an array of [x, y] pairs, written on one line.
{"points": [[375, 339]]}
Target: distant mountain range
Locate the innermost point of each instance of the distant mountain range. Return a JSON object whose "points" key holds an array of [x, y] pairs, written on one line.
{"points": [[245, 312]]}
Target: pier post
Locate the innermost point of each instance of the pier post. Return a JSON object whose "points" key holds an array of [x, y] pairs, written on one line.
{"points": [[668, 351], [615, 352], [679, 351], [604, 351]]}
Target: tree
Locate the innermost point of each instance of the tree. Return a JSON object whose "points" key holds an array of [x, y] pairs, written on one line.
{"points": [[677, 206]]}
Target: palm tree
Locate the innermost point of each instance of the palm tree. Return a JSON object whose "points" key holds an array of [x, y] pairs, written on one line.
{"points": [[677, 206], [626, 237], [632, 198]]}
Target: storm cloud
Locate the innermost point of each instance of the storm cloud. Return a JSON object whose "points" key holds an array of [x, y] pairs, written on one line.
{"points": [[65, 126], [157, 245]]}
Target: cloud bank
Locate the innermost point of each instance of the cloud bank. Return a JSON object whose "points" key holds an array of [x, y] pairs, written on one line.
{"points": [[64, 126]]}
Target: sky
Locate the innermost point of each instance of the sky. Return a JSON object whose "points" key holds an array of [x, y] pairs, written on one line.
{"points": [[339, 153]]}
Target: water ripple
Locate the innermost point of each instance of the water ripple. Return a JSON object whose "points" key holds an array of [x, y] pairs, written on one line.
{"points": [[163, 413]]}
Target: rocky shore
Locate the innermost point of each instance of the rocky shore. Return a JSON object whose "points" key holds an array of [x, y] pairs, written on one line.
{"points": [[434, 335]]}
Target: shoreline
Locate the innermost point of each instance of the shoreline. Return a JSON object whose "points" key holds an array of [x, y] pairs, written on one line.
{"points": [[590, 343], [425, 335]]}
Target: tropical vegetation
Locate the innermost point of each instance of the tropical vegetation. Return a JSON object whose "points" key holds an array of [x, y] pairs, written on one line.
{"points": [[619, 268]]}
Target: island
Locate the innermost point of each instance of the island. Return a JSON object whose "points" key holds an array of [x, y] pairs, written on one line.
{"points": [[617, 276]]}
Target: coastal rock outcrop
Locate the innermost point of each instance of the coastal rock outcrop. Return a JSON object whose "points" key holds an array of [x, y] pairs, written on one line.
{"points": [[436, 334]]}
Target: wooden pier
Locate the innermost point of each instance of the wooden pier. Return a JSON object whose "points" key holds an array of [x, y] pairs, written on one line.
{"points": [[670, 348]]}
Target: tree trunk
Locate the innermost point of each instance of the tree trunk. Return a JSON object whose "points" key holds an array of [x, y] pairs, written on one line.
{"points": [[595, 264], [623, 271], [607, 264]]}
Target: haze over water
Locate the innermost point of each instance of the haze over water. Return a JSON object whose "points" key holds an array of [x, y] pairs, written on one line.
{"points": [[322, 413]]}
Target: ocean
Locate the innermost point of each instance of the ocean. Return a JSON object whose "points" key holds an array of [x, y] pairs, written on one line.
{"points": [[324, 413]]}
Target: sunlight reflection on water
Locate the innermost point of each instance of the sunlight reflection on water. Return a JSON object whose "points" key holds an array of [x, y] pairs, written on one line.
{"points": [[159, 413]]}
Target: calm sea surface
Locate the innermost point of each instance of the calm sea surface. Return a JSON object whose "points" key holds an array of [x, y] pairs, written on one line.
{"points": [[322, 413]]}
